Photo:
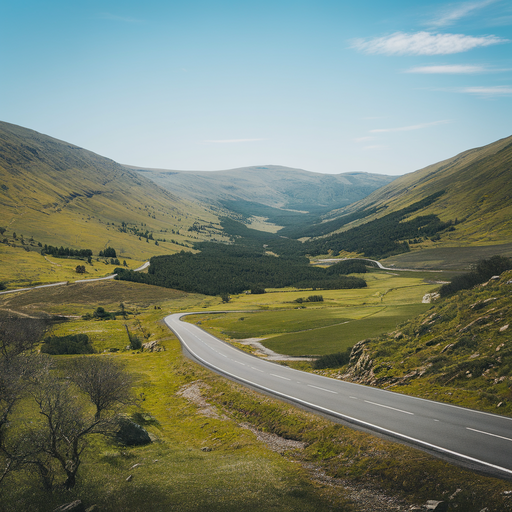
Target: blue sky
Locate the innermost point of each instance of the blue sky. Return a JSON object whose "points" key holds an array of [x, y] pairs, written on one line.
{"points": [[326, 86]]}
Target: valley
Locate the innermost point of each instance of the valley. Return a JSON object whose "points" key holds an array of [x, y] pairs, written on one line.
{"points": [[446, 218]]}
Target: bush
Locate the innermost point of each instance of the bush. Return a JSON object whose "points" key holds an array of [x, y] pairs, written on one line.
{"points": [[485, 269], [72, 344], [332, 360]]}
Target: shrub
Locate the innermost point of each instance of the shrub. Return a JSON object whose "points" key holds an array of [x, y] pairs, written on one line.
{"points": [[71, 344], [332, 360]]}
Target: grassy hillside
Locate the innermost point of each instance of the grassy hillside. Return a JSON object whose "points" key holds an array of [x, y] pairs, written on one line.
{"points": [[477, 194], [268, 190], [458, 351], [55, 193], [219, 446]]}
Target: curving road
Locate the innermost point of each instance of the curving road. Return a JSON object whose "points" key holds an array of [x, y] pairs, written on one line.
{"points": [[477, 440]]}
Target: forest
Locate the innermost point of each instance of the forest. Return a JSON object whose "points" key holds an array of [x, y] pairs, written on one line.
{"points": [[230, 269], [378, 238]]}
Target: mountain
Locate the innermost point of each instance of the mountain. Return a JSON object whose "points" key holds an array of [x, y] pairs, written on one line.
{"points": [[270, 185], [55, 193], [475, 190], [460, 203]]}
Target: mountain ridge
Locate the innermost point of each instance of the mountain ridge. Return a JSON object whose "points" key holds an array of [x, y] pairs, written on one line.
{"points": [[478, 192], [275, 186]]}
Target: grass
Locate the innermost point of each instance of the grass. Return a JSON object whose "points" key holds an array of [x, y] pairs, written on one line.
{"points": [[344, 318], [240, 472], [337, 338]]}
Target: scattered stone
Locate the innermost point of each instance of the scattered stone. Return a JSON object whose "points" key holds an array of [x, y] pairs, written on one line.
{"points": [[206, 449], [430, 297], [152, 346], [453, 496], [450, 345], [129, 479], [74, 506], [136, 465], [438, 506], [92, 508], [504, 328]]}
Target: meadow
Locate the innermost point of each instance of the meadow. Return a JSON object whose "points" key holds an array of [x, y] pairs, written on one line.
{"points": [[219, 446], [343, 318]]}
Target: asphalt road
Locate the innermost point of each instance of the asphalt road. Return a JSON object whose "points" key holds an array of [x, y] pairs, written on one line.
{"points": [[473, 439]]}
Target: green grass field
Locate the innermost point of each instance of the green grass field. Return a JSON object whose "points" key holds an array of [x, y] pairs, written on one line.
{"points": [[317, 328], [211, 462]]}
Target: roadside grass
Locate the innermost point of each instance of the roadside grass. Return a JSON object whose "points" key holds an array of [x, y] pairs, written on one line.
{"points": [[338, 338], [195, 463], [178, 472], [341, 320]]}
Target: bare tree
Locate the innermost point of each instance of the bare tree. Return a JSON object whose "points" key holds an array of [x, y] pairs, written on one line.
{"points": [[16, 375], [18, 334], [66, 425], [104, 380]]}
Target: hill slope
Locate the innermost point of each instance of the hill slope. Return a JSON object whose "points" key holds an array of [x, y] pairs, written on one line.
{"points": [[58, 194], [458, 352], [271, 185], [477, 187]]}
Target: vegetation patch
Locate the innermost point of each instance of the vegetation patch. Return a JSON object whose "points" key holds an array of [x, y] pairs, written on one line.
{"points": [[70, 344], [219, 270]]}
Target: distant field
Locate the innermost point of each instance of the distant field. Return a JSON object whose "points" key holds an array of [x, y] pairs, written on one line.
{"points": [[338, 338], [447, 258], [316, 328]]}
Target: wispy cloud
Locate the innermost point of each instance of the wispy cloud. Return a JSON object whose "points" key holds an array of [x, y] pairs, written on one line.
{"points": [[454, 69], [409, 128], [232, 141], [376, 147], [363, 139], [423, 43], [497, 90], [451, 15]]}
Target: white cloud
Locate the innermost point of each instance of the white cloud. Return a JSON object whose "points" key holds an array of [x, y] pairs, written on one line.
{"points": [[448, 69], [423, 43], [450, 16], [498, 90], [232, 141], [409, 128], [376, 147], [363, 139]]}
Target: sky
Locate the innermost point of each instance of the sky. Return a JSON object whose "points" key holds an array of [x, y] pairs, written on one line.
{"points": [[326, 86]]}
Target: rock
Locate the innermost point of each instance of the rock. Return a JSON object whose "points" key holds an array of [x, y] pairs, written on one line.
{"points": [[131, 434], [136, 465], [430, 297], [74, 506], [129, 478], [206, 449], [438, 506], [504, 328], [152, 346]]}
